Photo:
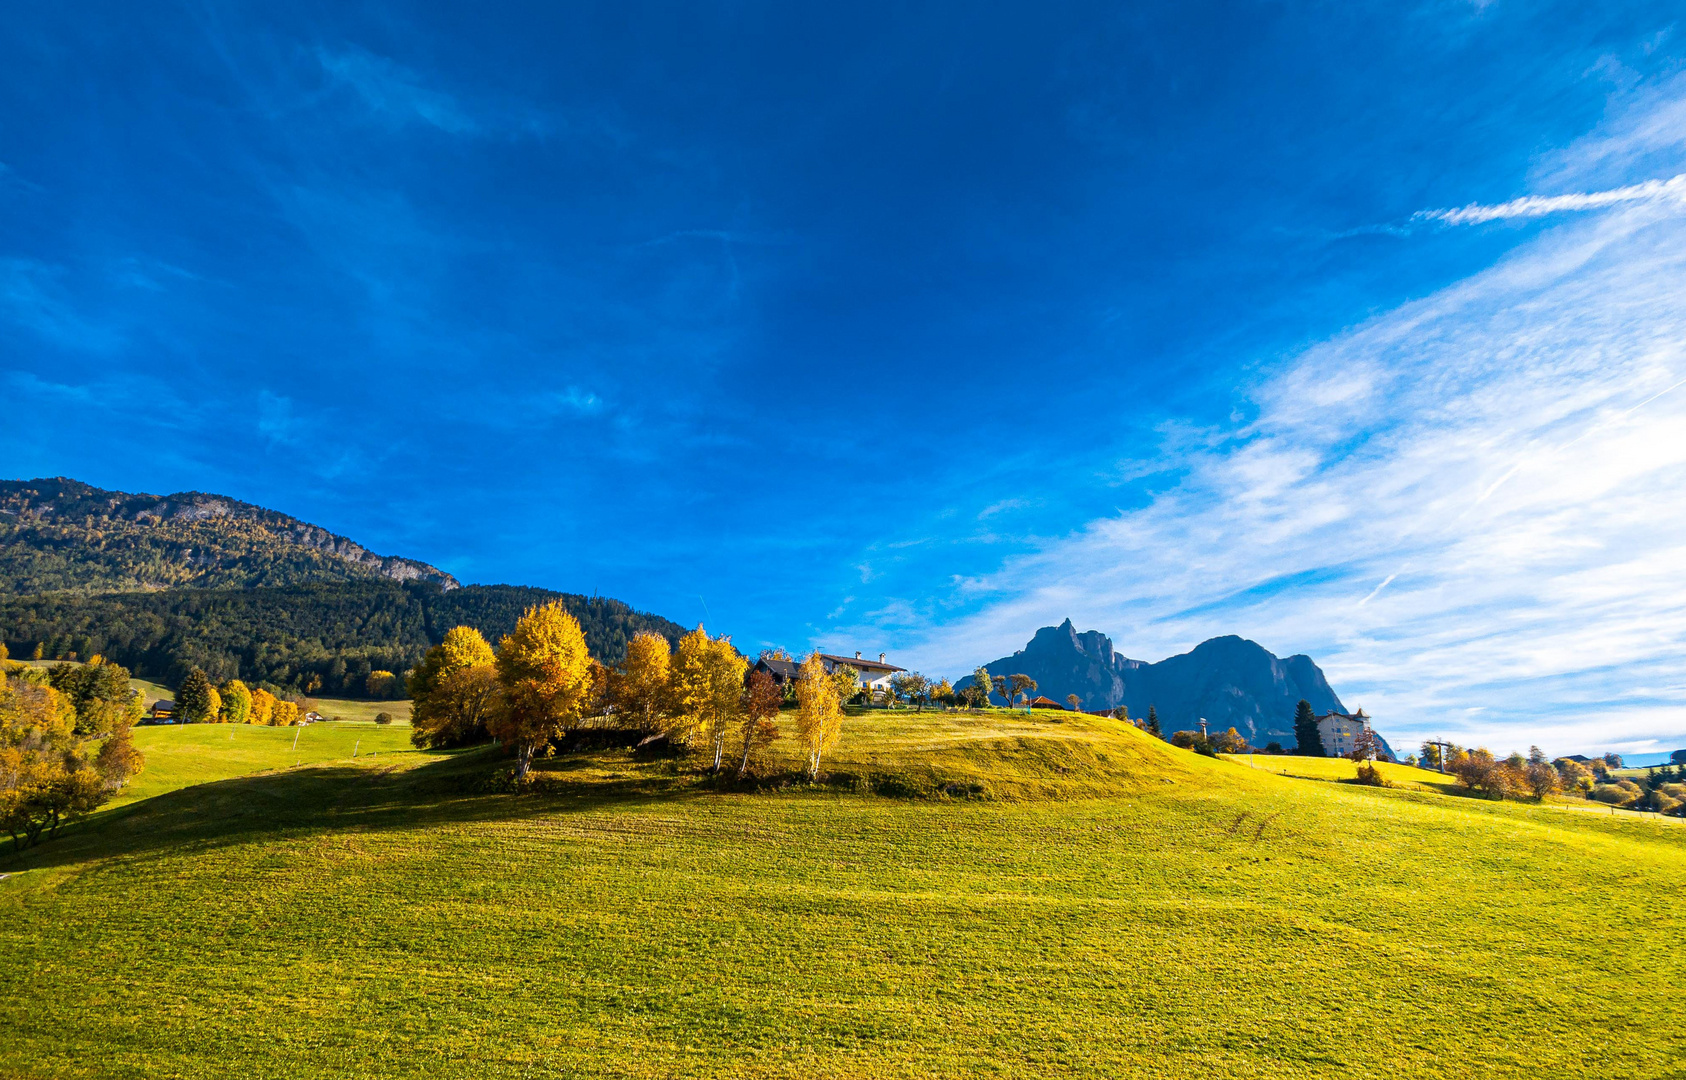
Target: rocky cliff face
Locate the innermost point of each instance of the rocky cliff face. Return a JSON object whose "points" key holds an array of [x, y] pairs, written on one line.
{"points": [[1230, 681], [64, 535]]}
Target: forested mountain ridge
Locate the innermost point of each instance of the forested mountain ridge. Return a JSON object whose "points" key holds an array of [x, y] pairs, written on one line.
{"points": [[59, 535], [323, 637], [163, 584]]}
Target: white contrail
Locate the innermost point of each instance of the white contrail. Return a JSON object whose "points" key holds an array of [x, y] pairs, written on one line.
{"points": [[1541, 205]]}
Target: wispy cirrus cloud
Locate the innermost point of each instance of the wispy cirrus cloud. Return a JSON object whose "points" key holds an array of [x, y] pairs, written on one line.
{"points": [[402, 96], [1467, 509], [1534, 206], [394, 91]]}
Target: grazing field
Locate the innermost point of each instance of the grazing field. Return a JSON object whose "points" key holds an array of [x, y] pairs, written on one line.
{"points": [[1104, 906], [1337, 768], [181, 755]]}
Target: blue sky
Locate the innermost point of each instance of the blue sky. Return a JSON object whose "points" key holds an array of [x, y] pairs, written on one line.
{"points": [[906, 329]]}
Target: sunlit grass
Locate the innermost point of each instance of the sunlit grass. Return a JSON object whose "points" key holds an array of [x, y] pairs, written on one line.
{"points": [[181, 755], [378, 917]]}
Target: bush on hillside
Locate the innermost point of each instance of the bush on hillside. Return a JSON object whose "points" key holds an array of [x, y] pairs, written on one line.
{"points": [[383, 718], [1371, 776], [1621, 793]]}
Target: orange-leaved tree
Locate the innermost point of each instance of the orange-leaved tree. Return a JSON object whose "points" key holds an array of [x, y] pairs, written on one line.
{"points": [[819, 717], [546, 675], [762, 699]]}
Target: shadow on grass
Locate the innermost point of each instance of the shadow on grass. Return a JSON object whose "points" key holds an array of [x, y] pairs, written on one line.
{"points": [[333, 797]]}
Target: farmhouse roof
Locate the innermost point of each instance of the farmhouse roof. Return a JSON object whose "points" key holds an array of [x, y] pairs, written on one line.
{"points": [[860, 663], [784, 669], [1040, 702]]}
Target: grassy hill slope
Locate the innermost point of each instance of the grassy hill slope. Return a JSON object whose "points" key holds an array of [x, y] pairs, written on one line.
{"points": [[1115, 908], [187, 755]]}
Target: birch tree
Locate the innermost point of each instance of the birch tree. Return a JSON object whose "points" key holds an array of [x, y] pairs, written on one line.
{"points": [[819, 717], [708, 688], [648, 670]]}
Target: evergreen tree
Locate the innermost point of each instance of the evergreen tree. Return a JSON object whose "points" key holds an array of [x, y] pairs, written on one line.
{"points": [[1153, 723], [1310, 743], [193, 698]]}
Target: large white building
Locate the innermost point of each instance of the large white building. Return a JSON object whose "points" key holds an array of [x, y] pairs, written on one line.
{"points": [[1337, 731], [874, 675]]}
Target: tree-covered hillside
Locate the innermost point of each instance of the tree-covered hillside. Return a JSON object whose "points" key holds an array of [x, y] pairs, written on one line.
{"points": [[316, 638], [64, 535]]}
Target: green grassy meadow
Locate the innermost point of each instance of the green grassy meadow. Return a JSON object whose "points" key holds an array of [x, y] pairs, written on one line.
{"points": [[183, 755], [1105, 905]]}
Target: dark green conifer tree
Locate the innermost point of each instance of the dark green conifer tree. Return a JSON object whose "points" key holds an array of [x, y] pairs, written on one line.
{"points": [[1310, 743], [1153, 723], [193, 698]]}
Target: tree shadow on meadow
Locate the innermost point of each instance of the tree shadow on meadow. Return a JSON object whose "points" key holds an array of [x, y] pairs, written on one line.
{"points": [[309, 800]]}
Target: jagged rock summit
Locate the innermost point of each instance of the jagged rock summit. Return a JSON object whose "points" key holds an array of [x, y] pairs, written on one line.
{"points": [[63, 535], [1230, 681]]}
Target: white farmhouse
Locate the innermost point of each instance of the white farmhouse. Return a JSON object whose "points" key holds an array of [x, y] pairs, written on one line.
{"points": [[874, 675]]}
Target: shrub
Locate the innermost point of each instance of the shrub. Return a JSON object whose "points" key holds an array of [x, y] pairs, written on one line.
{"points": [[1371, 776], [1622, 793], [383, 718]]}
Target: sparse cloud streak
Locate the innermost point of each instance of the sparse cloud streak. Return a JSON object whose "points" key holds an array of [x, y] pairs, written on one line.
{"points": [[1475, 498], [1672, 190]]}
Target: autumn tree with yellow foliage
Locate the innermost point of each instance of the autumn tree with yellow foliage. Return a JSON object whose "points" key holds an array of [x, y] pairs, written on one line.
{"points": [[46, 774], [456, 691], [708, 688], [545, 671], [262, 707], [643, 688], [819, 717]]}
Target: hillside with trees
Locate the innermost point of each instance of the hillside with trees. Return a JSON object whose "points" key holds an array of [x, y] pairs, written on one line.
{"points": [[63, 535], [324, 638], [167, 584]]}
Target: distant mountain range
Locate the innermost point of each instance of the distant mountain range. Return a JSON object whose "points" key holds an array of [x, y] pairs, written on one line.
{"points": [[1230, 681], [62, 535], [161, 584]]}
